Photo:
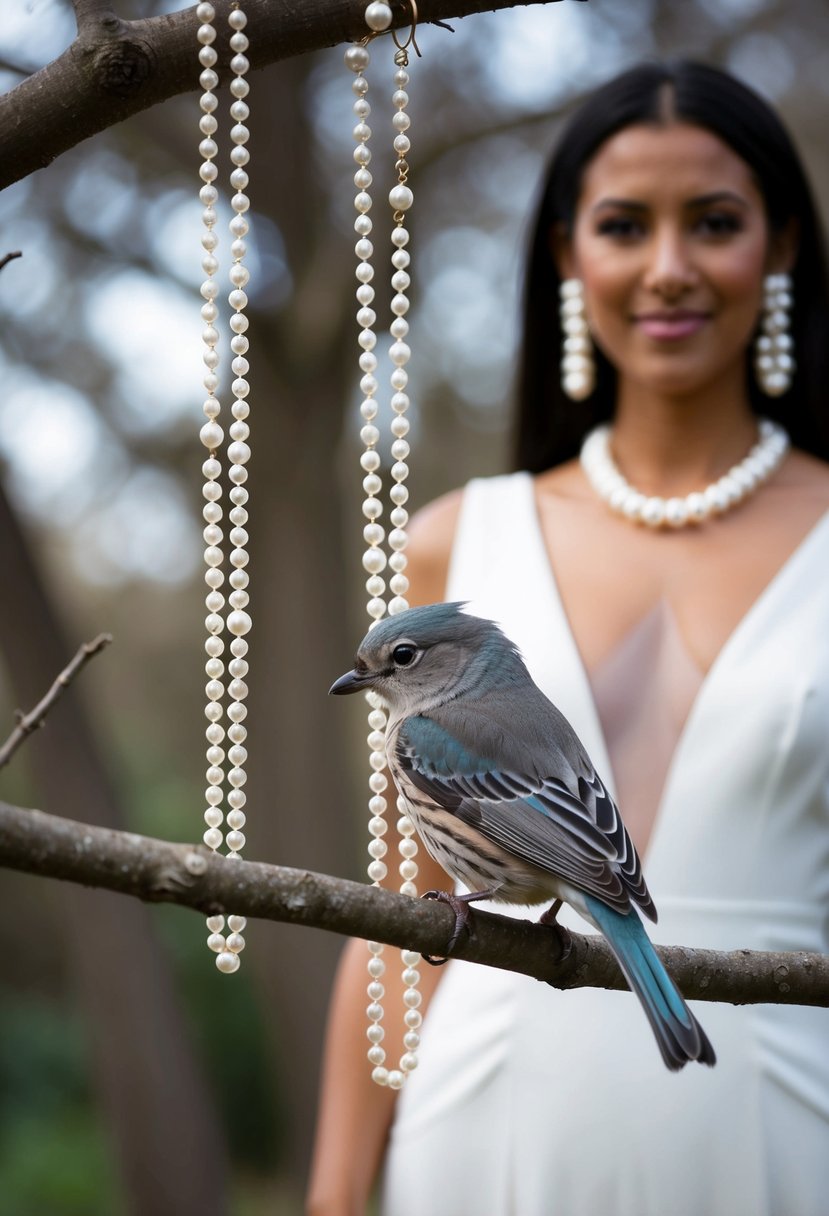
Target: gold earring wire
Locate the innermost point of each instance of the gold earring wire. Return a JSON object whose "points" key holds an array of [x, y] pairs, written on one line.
{"points": [[410, 41]]}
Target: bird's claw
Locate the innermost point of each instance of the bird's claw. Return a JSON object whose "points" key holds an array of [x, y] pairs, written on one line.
{"points": [[565, 942], [463, 920]]}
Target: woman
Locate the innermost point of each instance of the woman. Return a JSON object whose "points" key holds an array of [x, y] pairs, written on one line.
{"points": [[692, 660]]}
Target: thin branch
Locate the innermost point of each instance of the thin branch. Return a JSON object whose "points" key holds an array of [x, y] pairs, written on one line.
{"points": [[4, 261], [157, 871], [116, 68], [32, 721]]}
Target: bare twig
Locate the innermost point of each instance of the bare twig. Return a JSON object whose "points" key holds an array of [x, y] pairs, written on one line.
{"points": [[27, 723], [18, 253], [157, 871]]}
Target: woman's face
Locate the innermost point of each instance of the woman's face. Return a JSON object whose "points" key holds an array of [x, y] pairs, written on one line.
{"points": [[671, 242]]}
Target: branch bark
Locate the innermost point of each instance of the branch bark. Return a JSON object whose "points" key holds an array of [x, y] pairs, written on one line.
{"points": [[161, 872], [116, 68]]}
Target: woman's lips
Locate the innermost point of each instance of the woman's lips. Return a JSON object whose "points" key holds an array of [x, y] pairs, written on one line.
{"points": [[669, 327]]}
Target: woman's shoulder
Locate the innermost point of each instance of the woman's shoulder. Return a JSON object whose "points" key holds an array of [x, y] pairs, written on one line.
{"points": [[804, 480], [432, 534], [431, 537]]}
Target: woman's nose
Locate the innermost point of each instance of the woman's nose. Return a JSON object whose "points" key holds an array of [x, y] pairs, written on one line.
{"points": [[670, 269]]}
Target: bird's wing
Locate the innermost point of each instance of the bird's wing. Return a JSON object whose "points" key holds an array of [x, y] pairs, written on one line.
{"points": [[576, 834]]}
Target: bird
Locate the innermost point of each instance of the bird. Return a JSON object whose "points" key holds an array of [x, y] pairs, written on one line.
{"points": [[505, 797]]}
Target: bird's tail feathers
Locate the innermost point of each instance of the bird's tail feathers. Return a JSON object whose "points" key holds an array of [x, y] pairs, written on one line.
{"points": [[678, 1033]]}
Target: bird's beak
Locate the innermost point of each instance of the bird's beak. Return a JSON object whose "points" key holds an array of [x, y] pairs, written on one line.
{"points": [[352, 681]]}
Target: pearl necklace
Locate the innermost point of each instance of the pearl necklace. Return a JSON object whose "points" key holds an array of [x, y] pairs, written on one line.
{"points": [[717, 498]]}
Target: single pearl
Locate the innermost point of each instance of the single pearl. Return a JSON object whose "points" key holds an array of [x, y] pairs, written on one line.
{"points": [[378, 16], [697, 509], [676, 512], [227, 962], [401, 198], [653, 512]]}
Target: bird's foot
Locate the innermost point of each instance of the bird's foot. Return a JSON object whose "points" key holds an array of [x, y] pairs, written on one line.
{"points": [[463, 918], [565, 944]]}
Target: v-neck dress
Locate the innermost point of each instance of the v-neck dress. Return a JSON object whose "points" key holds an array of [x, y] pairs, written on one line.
{"points": [[533, 1102]]}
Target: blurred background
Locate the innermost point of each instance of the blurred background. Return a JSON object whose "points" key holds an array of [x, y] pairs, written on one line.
{"points": [[134, 1078]]}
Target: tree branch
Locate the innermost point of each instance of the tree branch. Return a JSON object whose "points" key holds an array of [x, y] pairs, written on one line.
{"points": [[9, 257], [27, 723], [116, 68], [157, 871]]}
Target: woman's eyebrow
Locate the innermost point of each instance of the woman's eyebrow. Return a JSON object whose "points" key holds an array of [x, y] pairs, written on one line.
{"points": [[701, 200]]}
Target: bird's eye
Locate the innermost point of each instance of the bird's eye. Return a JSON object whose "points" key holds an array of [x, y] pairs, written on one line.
{"points": [[404, 654]]}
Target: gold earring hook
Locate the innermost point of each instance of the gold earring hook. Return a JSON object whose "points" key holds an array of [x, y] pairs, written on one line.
{"points": [[411, 40]]}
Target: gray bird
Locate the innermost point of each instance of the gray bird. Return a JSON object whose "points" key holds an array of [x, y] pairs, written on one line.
{"points": [[505, 797]]}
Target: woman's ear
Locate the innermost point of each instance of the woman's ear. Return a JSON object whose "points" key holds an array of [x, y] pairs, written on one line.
{"points": [[783, 248], [561, 248]]}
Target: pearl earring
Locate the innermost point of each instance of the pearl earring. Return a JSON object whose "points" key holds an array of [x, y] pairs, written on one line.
{"points": [[578, 368], [227, 945], [773, 360], [378, 16]]}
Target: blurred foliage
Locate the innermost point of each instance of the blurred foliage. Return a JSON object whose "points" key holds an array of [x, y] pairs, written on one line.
{"points": [[100, 363], [53, 1151]]}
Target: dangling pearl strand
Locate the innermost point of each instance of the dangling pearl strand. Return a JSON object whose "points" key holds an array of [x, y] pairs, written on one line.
{"points": [[238, 452], [401, 199], [378, 18], [211, 436], [774, 362], [226, 947], [717, 498]]}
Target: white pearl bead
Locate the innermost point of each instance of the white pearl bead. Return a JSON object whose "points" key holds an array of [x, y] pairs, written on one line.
{"points": [[676, 513], [212, 838], [236, 19], [356, 58], [715, 498], [401, 198], [697, 508], [378, 16], [653, 512], [239, 623], [227, 962]]}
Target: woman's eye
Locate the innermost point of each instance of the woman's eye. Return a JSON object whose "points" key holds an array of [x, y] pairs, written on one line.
{"points": [[620, 226], [719, 223], [403, 654]]}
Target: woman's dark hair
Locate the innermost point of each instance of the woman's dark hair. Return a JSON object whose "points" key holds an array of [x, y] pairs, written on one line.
{"points": [[550, 427]]}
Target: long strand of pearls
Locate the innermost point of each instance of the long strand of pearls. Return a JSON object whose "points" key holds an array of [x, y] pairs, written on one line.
{"points": [[400, 199], [378, 18], [720, 496], [227, 947]]}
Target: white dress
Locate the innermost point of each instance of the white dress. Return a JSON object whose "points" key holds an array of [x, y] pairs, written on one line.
{"points": [[533, 1102]]}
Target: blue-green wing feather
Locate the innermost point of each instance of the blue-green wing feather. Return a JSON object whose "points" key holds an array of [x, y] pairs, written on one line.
{"points": [[520, 803]]}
